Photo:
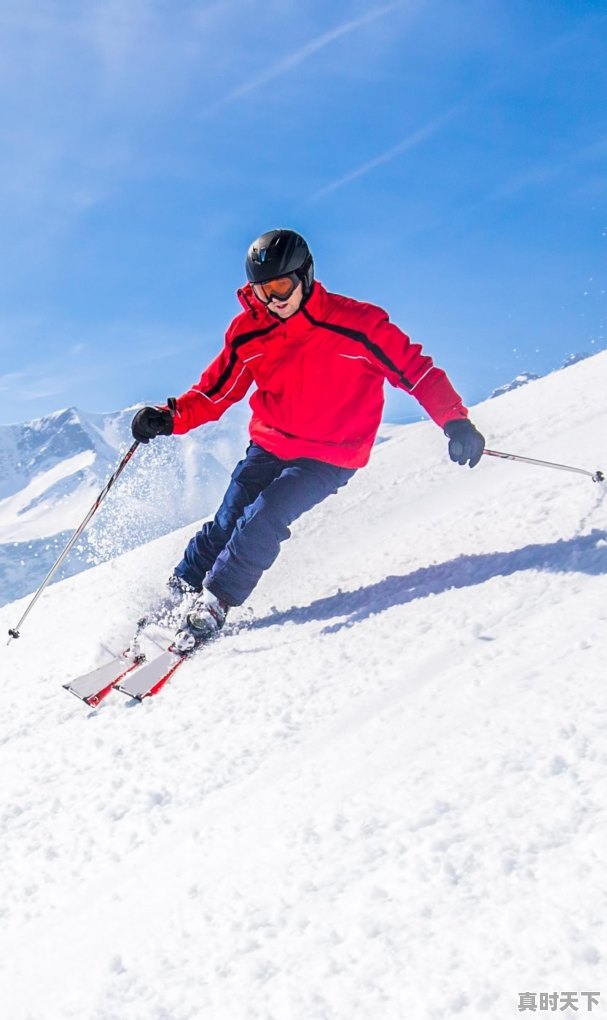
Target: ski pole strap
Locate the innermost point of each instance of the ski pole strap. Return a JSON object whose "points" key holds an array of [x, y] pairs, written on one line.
{"points": [[14, 632], [597, 476]]}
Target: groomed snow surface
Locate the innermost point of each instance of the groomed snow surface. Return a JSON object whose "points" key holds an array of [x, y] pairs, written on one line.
{"points": [[384, 799]]}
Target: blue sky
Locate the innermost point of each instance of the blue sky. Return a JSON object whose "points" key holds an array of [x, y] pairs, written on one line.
{"points": [[444, 159]]}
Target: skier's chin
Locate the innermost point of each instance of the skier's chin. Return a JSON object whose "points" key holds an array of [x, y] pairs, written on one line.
{"points": [[283, 311]]}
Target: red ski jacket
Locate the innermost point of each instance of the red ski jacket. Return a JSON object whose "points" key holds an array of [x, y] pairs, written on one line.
{"points": [[319, 378]]}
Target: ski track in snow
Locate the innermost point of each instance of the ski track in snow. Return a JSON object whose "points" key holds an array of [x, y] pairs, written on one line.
{"points": [[382, 797]]}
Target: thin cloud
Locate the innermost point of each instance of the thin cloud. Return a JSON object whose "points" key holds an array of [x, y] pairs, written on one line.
{"points": [[31, 387], [410, 142], [293, 60], [543, 173], [528, 62]]}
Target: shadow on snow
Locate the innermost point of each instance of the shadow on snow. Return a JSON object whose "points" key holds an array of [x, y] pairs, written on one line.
{"points": [[585, 554]]}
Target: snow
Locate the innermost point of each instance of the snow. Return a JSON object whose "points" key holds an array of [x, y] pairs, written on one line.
{"points": [[384, 797], [26, 515]]}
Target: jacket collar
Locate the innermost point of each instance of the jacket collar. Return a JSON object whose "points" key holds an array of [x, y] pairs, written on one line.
{"points": [[315, 305]]}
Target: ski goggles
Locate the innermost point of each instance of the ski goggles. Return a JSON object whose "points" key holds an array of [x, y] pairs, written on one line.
{"points": [[281, 288]]}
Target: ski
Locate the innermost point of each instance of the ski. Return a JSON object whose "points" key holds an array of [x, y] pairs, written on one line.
{"points": [[94, 686], [131, 672], [151, 676]]}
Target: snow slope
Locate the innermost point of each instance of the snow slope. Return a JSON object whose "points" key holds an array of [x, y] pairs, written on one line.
{"points": [[384, 798]]}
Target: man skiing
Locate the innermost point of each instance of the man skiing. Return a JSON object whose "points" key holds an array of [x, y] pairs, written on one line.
{"points": [[319, 362]]}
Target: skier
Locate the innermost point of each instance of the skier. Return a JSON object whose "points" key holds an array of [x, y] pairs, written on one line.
{"points": [[319, 362]]}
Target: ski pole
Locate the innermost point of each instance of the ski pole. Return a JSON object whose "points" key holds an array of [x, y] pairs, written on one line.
{"points": [[14, 632], [597, 476]]}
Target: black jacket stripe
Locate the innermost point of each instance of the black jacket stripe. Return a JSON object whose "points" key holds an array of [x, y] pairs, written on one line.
{"points": [[236, 343], [243, 338], [363, 339]]}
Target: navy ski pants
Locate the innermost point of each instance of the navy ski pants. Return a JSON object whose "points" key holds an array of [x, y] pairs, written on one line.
{"points": [[266, 494]]}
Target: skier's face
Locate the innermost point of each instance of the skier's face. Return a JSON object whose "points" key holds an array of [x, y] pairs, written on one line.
{"points": [[287, 307]]}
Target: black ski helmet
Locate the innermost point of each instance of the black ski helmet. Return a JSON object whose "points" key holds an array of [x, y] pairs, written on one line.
{"points": [[278, 253]]}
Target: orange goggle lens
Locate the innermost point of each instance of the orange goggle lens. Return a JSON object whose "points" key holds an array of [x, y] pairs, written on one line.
{"points": [[281, 288]]}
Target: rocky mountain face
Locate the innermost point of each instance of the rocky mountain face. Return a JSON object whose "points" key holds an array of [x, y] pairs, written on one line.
{"points": [[520, 380]]}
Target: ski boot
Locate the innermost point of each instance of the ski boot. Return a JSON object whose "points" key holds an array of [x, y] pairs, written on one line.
{"points": [[202, 623]]}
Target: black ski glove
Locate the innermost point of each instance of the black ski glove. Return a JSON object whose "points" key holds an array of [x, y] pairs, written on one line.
{"points": [[466, 444], [150, 422]]}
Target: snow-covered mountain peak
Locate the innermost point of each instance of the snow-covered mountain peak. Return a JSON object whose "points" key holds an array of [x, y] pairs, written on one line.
{"points": [[52, 468], [515, 384]]}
